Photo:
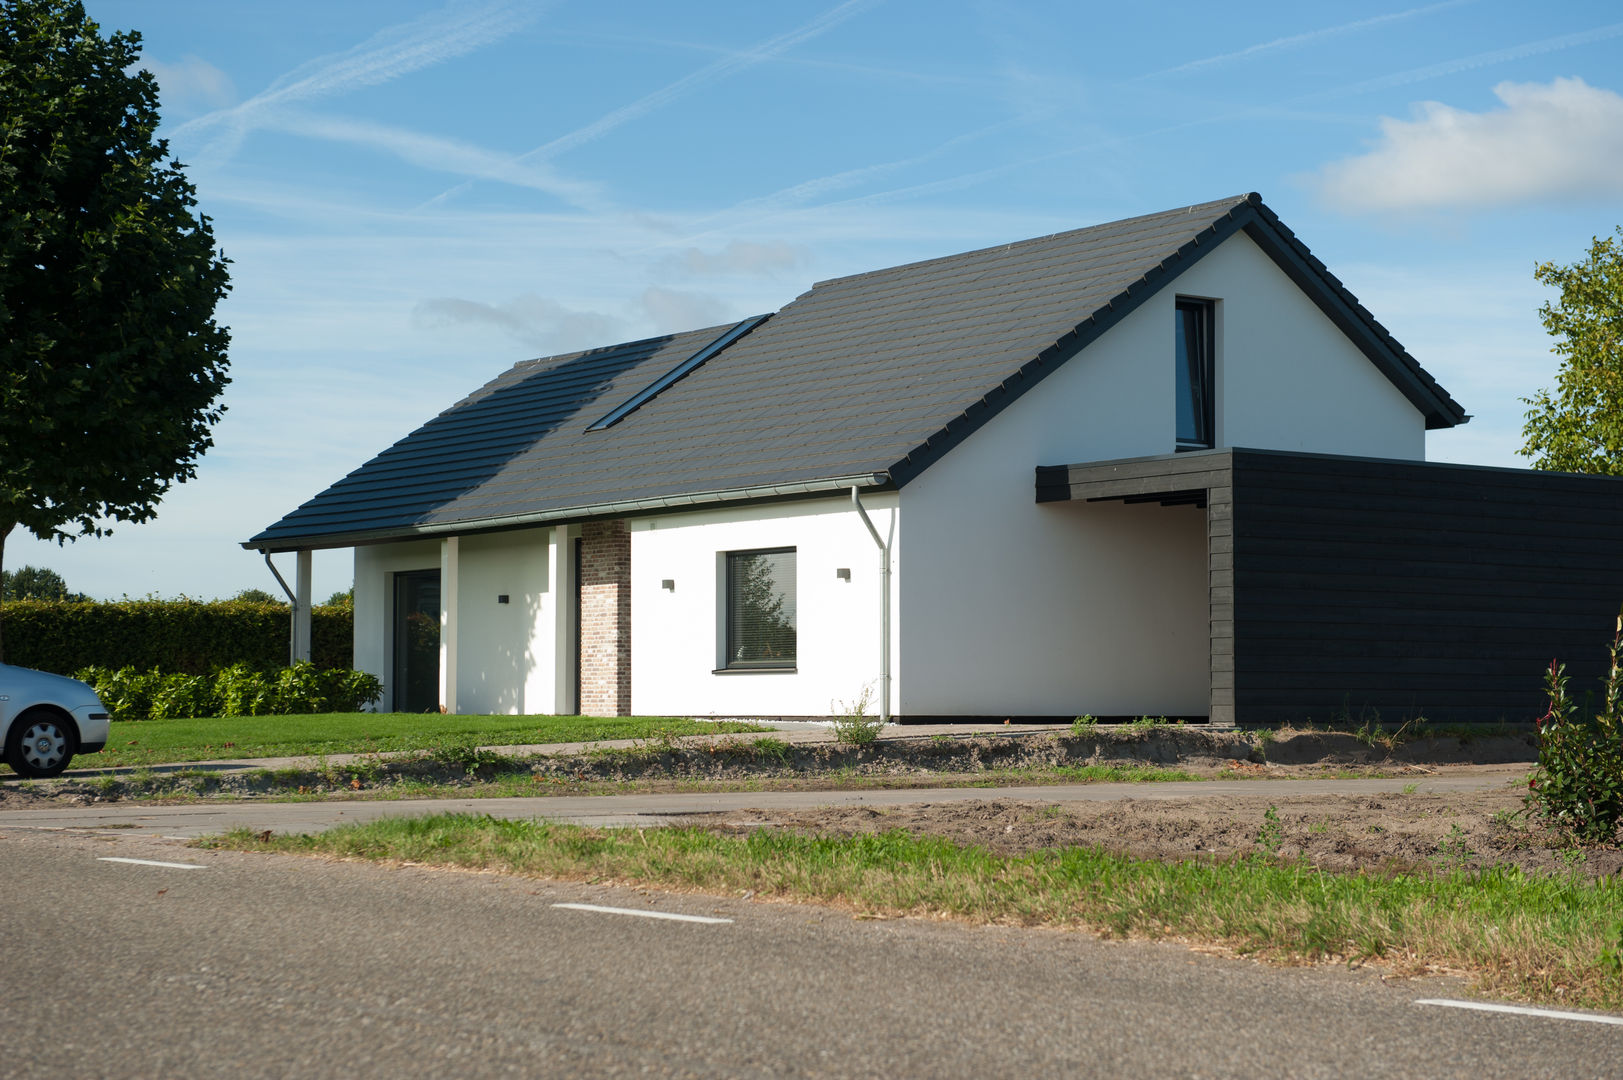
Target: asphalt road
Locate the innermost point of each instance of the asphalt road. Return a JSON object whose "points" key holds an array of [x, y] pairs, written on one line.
{"points": [[275, 966], [205, 818]]}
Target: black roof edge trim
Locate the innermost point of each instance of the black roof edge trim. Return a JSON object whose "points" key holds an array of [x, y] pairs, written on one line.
{"points": [[1353, 319], [679, 372], [1290, 254], [699, 500], [1093, 326]]}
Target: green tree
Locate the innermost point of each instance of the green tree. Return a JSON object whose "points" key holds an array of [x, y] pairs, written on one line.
{"points": [[257, 596], [111, 363], [35, 583], [342, 599], [1579, 426]]}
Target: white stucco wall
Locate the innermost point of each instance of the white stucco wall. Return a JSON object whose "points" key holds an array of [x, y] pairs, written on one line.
{"points": [[1010, 607], [504, 661], [375, 567], [1287, 379], [677, 635]]}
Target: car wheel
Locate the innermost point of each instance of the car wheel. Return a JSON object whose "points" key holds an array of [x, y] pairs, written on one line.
{"points": [[40, 745]]}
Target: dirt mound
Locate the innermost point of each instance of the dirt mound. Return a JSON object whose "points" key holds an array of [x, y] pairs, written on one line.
{"points": [[1386, 833]]}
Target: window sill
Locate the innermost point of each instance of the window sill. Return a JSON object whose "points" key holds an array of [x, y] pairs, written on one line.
{"points": [[755, 671]]}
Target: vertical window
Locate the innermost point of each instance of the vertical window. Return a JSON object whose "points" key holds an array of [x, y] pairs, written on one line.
{"points": [[1195, 375], [761, 608]]}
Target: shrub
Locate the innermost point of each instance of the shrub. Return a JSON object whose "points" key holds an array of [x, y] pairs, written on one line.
{"points": [[243, 691], [237, 690], [183, 636], [179, 696], [1578, 785], [127, 693]]}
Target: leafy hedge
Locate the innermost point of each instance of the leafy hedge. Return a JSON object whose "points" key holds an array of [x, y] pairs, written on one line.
{"points": [[190, 637], [234, 691]]}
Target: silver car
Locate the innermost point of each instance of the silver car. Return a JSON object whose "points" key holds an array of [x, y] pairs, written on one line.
{"points": [[47, 719]]}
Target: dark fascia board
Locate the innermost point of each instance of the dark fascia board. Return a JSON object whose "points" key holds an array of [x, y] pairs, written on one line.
{"points": [[1352, 318], [1053, 482], [1271, 235]]}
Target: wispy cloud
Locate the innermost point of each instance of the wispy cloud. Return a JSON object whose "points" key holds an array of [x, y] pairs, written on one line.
{"points": [[1311, 37], [1478, 60], [738, 257], [550, 326], [720, 69], [454, 30], [443, 155], [896, 74], [190, 83], [765, 207], [1550, 142], [536, 321]]}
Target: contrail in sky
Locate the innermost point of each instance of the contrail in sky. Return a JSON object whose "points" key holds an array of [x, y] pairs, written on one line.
{"points": [[453, 31], [1465, 63], [1308, 38], [722, 68]]}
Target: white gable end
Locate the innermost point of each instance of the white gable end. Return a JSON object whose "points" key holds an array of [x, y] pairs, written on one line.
{"points": [[1287, 377]]}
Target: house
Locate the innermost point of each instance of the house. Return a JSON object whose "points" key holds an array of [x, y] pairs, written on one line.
{"points": [[1164, 466]]}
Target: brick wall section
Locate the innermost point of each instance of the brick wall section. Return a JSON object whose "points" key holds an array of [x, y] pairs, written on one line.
{"points": [[605, 619]]}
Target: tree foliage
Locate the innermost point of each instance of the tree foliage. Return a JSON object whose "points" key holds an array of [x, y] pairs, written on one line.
{"points": [[1578, 427], [35, 583], [111, 363]]}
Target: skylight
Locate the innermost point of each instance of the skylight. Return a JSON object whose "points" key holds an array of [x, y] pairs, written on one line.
{"points": [[678, 372]]}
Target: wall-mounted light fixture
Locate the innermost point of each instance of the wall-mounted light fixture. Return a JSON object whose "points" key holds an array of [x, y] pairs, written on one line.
{"points": [[669, 584], [501, 598], [843, 573]]}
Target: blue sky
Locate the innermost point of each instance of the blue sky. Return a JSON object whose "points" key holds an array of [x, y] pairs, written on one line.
{"points": [[416, 195]]}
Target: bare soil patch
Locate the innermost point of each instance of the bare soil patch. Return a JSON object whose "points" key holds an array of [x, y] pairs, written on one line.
{"points": [[1387, 833]]}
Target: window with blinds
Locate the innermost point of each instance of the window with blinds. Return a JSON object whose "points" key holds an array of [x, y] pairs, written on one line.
{"points": [[761, 608]]}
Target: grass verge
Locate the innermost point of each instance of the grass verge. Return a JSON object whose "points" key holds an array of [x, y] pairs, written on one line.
{"points": [[511, 777], [153, 742], [1542, 938]]}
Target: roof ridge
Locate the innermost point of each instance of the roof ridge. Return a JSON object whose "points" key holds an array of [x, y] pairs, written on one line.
{"points": [[1232, 202]]}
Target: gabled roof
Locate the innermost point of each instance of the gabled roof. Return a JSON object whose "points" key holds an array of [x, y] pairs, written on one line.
{"points": [[864, 380]]}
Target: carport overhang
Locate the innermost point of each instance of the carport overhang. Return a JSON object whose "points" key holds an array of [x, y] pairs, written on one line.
{"points": [[1203, 478], [1378, 590]]}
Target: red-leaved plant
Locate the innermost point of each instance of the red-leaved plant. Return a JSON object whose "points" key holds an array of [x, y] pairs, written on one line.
{"points": [[1578, 785]]}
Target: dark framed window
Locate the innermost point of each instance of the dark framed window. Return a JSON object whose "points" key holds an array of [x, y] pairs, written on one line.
{"points": [[1195, 375], [761, 609]]}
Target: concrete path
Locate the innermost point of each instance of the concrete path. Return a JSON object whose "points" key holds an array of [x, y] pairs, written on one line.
{"points": [[652, 810]]}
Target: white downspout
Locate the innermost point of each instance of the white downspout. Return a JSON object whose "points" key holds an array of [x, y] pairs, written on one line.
{"points": [[293, 612], [884, 608]]}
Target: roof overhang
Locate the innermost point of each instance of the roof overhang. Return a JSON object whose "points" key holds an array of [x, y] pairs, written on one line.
{"points": [[571, 515]]}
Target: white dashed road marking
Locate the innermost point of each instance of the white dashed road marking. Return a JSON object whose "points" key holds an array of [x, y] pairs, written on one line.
{"points": [[1519, 1010], [149, 862], [671, 915]]}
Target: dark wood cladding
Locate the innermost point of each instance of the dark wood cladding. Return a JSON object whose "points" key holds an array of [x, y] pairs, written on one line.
{"points": [[1387, 589], [1352, 589]]}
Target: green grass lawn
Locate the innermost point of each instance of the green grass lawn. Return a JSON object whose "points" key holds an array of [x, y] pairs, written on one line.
{"points": [[154, 742]]}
